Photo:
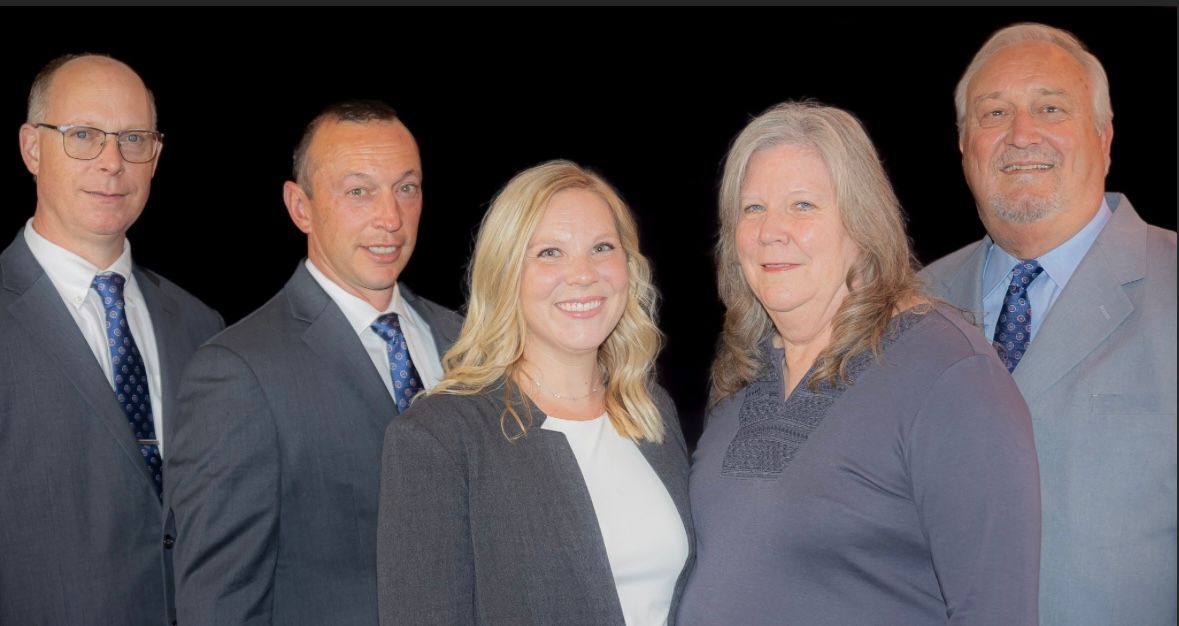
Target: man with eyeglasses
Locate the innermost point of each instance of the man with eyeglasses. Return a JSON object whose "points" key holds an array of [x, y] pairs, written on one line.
{"points": [[93, 348]]}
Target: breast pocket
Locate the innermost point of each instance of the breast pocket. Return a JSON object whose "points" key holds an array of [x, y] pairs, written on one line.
{"points": [[1132, 456], [1134, 434]]}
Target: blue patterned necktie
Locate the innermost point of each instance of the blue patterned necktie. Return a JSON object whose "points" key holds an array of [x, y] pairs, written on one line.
{"points": [[406, 383], [130, 377], [1013, 332]]}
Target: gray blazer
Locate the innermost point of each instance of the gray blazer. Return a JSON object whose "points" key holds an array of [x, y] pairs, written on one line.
{"points": [[273, 466], [79, 518], [1100, 381], [475, 529]]}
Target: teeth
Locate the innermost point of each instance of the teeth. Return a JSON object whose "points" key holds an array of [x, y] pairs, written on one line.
{"points": [[1021, 168], [382, 249], [574, 307]]}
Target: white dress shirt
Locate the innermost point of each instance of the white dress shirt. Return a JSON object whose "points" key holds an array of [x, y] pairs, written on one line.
{"points": [[645, 538], [73, 278], [361, 315]]}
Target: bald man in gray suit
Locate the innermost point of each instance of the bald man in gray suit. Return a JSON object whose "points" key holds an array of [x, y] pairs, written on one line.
{"points": [[1078, 295], [274, 476], [93, 349]]}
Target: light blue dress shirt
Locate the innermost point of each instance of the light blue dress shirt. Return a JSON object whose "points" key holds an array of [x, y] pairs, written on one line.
{"points": [[1058, 263]]}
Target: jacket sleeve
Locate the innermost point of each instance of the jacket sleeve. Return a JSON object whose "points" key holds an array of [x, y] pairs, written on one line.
{"points": [[223, 481]]}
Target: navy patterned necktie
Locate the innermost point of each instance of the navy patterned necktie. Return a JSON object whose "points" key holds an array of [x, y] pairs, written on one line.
{"points": [[1013, 332], [130, 377], [406, 383]]}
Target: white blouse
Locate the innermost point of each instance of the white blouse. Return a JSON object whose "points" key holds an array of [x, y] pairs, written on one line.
{"points": [[644, 536]]}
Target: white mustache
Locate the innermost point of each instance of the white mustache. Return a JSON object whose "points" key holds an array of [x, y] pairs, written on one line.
{"points": [[1041, 154]]}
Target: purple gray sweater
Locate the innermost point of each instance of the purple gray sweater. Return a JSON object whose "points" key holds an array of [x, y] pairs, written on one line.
{"points": [[910, 496]]}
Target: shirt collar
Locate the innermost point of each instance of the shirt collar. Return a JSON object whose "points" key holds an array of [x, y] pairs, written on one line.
{"points": [[1059, 263], [70, 273], [360, 314]]}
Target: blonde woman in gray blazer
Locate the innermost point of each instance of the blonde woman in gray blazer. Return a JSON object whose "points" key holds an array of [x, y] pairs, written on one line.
{"points": [[544, 480]]}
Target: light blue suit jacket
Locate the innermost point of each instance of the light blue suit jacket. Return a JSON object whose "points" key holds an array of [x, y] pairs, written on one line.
{"points": [[1100, 381]]}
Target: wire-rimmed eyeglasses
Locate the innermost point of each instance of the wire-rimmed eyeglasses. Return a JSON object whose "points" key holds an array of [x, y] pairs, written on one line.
{"points": [[86, 142]]}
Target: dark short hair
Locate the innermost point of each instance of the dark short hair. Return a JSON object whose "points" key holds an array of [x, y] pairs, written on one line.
{"points": [[359, 111]]}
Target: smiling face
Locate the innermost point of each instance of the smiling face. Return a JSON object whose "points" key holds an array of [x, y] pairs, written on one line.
{"points": [[794, 251], [87, 206], [575, 282], [361, 215], [1032, 151]]}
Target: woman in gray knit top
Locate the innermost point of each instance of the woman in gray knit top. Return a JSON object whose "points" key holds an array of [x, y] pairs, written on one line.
{"points": [[544, 480], [867, 458]]}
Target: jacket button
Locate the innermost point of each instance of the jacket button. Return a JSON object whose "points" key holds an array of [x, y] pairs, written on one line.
{"points": [[168, 541]]}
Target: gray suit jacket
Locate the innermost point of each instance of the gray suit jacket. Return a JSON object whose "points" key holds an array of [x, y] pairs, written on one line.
{"points": [[273, 466], [476, 529], [79, 518], [1100, 381]]}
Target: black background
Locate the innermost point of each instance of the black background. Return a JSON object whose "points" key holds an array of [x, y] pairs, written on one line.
{"points": [[649, 98]]}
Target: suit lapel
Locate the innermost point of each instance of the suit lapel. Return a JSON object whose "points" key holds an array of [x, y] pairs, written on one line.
{"points": [[332, 339], [41, 312], [964, 287], [579, 519], [169, 332], [662, 459], [1091, 306], [443, 332]]}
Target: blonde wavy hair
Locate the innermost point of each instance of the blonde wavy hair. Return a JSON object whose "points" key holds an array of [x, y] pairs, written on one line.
{"points": [[489, 349], [883, 276]]}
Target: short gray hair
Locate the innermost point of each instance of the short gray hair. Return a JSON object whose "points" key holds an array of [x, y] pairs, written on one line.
{"points": [[39, 92], [1029, 31]]}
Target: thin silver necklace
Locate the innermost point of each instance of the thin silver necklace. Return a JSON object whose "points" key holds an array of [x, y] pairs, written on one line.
{"points": [[536, 382]]}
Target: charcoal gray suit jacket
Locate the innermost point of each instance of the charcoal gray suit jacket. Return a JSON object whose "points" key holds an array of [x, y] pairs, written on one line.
{"points": [[80, 519], [274, 464], [477, 529]]}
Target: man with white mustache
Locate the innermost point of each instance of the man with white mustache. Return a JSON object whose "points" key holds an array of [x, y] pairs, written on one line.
{"points": [[1027, 209], [1078, 294], [281, 418]]}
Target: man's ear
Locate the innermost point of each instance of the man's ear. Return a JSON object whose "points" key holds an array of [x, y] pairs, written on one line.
{"points": [[30, 148], [156, 161], [298, 205], [1106, 143]]}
